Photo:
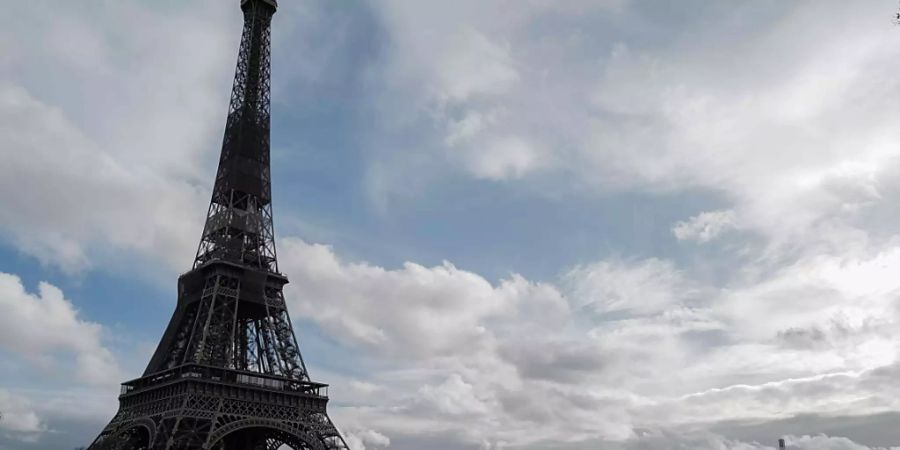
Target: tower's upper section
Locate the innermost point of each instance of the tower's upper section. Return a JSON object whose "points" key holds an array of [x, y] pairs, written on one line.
{"points": [[239, 222], [273, 3]]}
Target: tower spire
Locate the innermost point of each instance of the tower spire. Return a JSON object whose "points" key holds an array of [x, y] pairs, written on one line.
{"points": [[239, 225], [228, 373]]}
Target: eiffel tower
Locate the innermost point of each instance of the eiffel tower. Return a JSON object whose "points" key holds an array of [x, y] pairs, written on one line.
{"points": [[228, 374]]}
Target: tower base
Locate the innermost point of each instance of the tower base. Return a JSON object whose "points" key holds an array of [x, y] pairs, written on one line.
{"points": [[196, 407]]}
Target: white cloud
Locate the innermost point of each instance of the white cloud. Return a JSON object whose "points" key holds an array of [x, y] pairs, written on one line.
{"points": [[804, 324], [366, 440], [414, 311], [462, 71], [798, 170], [623, 346], [88, 199], [17, 416], [505, 158], [597, 110], [454, 397], [463, 130], [823, 442], [648, 286], [117, 163], [800, 150], [660, 439], [37, 326], [473, 65], [663, 439], [706, 226]]}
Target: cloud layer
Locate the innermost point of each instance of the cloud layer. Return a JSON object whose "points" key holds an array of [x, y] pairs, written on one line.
{"points": [[774, 295], [117, 161], [498, 364]]}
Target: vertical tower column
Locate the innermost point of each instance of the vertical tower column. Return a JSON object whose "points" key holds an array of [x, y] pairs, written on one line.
{"points": [[228, 373], [239, 221]]}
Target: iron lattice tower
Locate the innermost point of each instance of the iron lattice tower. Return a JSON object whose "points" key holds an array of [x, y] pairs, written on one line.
{"points": [[228, 374]]}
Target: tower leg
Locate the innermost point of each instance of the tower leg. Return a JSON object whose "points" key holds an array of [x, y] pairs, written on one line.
{"points": [[177, 433]]}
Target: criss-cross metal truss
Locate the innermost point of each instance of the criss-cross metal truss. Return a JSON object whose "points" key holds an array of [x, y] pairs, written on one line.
{"points": [[228, 373], [239, 222]]}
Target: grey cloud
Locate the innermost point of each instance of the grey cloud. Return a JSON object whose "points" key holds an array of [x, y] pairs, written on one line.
{"points": [[811, 337], [565, 361]]}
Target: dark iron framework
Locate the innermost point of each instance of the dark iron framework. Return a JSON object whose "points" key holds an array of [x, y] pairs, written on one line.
{"points": [[228, 374]]}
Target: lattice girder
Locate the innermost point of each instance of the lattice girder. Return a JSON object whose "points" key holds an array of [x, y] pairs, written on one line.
{"points": [[228, 372], [191, 413]]}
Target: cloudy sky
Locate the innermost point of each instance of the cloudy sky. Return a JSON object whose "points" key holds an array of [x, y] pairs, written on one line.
{"points": [[516, 224]]}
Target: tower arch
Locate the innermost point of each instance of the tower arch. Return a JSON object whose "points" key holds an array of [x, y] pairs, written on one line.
{"points": [[259, 434]]}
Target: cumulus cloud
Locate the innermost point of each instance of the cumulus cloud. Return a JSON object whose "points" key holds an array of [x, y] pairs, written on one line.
{"points": [[454, 397], [36, 326], [470, 340], [415, 311], [366, 440], [614, 347]]}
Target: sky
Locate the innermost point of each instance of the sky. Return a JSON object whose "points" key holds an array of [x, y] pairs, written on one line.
{"points": [[513, 224]]}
